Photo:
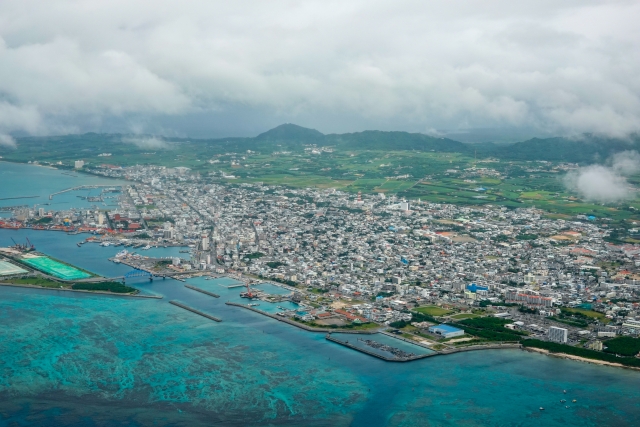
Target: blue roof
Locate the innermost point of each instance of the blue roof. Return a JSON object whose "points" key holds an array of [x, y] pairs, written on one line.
{"points": [[473, 287], [444, 328]]}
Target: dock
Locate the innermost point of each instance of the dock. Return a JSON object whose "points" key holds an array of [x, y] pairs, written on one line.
{"points": [[297, 324], [379, 356], [80, 187], [211, 294], [193, 310]]}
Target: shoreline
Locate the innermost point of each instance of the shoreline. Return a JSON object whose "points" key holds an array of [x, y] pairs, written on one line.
{"points": [[16, 285], [578, 358]]}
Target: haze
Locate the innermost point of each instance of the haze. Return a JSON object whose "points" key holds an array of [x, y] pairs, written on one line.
{"points": [[212, 68]]}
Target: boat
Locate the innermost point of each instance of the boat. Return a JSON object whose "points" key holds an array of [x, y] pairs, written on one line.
{"points": [[574, 401], [122, 253], [105, 244], [541, 408], [564, 391], [146, 248], [254, 305]]}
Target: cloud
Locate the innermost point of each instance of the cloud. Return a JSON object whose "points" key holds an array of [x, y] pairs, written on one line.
{"points": [[606, 184], [559, 67], [146, 142], [7, 141]]}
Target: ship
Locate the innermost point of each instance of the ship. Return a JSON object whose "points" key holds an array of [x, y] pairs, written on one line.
{"points": [[122, 253]]}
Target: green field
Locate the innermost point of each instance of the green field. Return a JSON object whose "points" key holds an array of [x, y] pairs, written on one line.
{"points": [[432, 310], [412, 166], [55, 268], [588, 313], [464, 316]]}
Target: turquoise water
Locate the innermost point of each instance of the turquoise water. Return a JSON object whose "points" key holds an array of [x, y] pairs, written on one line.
{"points": [[20, 181], [77, 359], [220, 287], [74, 359]]}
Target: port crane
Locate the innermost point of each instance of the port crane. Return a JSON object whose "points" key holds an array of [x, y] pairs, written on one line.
{"points": [[23, 247], [248, 294]]}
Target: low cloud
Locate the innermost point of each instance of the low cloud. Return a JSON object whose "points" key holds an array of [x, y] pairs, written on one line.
{"points": [[7, 141], [148, 142], [606, 183]]}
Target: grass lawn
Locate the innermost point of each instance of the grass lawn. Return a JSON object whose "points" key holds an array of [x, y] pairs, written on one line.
{"points": [[464, 316], [432, 310], [589, 313], [37, 281]]}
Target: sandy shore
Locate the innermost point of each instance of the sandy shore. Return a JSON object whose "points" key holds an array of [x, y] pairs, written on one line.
{"points": [[579, 359]]}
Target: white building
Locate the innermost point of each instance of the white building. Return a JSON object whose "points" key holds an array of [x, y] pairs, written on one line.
{"points": [[205, 243], [558, 334], [79, 164]]}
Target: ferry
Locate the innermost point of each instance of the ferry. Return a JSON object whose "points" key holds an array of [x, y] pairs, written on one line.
{"points": [[122, 253]]}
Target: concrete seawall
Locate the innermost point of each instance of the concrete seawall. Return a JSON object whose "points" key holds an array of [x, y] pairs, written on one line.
{"points": [[82, 291], [300, 325], [211, 294], [193, 310], [379, 356]]}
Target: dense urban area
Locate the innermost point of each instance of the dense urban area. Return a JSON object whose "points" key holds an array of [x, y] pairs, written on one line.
{"points": [[441, 275]]}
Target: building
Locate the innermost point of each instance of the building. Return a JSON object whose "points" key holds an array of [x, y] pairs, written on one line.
{"points": [[168, 234], [41, 212], [558, 334], [78, 164], [528, 298], [205, 243], [446, 331]]}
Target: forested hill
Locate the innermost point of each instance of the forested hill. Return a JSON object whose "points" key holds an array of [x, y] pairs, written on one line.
{"points": [[586, 149]]}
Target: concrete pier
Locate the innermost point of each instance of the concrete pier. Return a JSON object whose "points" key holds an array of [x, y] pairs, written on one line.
{"points": [[379, 356], [193, 310], [211, 294]]}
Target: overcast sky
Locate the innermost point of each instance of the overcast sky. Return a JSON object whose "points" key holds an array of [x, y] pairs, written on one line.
{"points": [[221, 68]]}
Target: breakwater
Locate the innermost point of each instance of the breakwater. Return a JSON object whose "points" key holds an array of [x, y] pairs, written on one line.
{"points": [[211, 294], [300, 325], [16, 285], [374, 354], [193, 310]]}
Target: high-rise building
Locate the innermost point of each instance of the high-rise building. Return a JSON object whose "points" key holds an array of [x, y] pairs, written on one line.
{"points": [[205, 243], [168, 234], [100, 219], [41, 212], [558, 334], [78, 164]]}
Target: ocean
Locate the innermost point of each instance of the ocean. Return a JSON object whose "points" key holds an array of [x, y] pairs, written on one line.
{"points": [[72, 359]]}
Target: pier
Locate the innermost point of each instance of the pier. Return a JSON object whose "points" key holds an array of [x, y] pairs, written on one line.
{"points": [[193, 310], [379, 356], [297, 324], [211, 294], [79, 187]]}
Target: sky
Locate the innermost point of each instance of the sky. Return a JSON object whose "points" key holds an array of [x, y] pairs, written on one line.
{"points": [[219, 68]]}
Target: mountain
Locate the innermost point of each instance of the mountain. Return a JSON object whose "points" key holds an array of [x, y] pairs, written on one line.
{"points": [[289, 132]]}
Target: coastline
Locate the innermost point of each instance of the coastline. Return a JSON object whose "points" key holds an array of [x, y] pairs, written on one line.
{"points": [[578, 358], [15, 285]]}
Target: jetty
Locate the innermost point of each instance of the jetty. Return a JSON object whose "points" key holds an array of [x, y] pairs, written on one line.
{"points": [[211, 294], [79, 187], [297, 324], [193, 310], [379, 356]]}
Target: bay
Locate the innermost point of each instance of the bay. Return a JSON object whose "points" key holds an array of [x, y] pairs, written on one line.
{"points": [[76, 359]]}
